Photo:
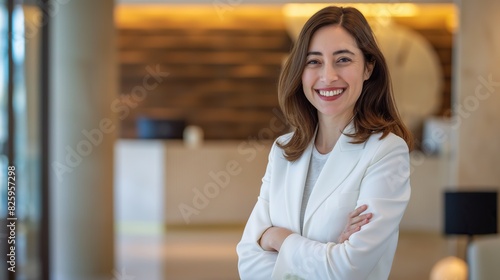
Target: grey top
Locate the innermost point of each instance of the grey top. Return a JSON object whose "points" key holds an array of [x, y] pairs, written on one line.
{"points": [[316, 164]]}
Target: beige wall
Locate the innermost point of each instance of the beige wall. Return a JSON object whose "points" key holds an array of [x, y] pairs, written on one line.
{"points": [[477, 95]]}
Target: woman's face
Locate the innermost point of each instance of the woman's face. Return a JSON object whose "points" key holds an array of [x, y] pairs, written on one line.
{"points": [[334, 73]]}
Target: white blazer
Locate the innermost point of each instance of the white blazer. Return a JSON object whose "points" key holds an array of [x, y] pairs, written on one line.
{"points": [[375, 173]]}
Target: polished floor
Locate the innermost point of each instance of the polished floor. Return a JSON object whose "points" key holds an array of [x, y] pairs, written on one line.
{"points": [[210, 254], [180, 254]]}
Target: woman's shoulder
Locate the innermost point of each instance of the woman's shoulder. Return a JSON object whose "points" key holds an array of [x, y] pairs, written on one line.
{"points": [[277, 150], [389, 139], [385, 144], [283, 139]]}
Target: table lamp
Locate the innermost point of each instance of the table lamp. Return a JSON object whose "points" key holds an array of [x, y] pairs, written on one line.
{"points": [[470, 213]]}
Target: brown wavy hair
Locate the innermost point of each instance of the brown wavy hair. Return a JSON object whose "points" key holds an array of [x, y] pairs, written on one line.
{"points": [[375, 110]]}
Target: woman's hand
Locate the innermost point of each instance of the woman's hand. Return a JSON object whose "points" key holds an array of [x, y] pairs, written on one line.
{"points": [[273, 237], [355, 222]]}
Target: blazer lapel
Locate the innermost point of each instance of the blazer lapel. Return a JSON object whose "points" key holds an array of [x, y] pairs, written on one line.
{"points": [[294, 187], [340, 163]]}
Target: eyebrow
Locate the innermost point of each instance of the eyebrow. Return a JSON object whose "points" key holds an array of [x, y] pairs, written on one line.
{"points": [[334, 53]]}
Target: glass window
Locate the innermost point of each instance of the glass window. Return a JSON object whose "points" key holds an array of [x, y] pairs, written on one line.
{"points": [[21, 81]]}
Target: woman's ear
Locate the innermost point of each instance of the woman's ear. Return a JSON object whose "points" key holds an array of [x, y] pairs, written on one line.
{"points": [[369, 69]]}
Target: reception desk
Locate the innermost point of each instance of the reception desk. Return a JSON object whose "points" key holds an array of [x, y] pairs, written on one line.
{"points": [[217, 183], [164, 181]]}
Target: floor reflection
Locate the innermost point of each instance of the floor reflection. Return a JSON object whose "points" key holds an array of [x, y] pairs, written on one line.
{"points": [[210, 254], [178, 255]]}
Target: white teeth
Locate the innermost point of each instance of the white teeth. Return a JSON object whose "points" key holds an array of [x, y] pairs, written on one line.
{"points": [[330, 92]]}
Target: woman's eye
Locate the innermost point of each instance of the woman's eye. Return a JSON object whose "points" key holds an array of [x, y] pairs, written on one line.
{"points": [[312, 62], [344, 60]]}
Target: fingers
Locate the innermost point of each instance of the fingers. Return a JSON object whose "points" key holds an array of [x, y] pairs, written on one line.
{"points": [[356, 216], [360, 218], [357, 225], [348, 231], [358, 211], [355, 222]]}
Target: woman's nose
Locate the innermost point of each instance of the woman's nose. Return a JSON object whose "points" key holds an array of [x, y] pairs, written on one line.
{"points": [[328, 74]]}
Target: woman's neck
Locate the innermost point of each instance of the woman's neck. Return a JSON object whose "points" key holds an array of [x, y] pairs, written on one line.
{"points": [[329, 132]]}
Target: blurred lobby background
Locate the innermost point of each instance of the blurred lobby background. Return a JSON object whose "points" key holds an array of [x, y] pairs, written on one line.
{"points": [[140, 130]]}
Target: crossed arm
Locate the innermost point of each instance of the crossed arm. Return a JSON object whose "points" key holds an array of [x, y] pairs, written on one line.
{"points": [[273, 237], [267, 250]]}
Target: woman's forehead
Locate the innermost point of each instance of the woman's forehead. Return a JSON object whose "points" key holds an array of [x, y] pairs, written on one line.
{"points": [[332, 38]]}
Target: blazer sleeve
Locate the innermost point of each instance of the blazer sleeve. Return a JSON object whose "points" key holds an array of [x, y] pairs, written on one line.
{"points": [[254, 262], [385, 188]]}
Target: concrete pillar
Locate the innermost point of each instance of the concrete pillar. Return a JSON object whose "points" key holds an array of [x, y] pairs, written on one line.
{"points": [[477, 95], [83, 133]]}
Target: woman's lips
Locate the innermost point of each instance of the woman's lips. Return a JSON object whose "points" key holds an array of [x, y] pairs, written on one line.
{"points": [[330, 94]]}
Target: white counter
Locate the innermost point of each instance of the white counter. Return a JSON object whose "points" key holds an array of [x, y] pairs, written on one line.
{"points": [[165, 182]]}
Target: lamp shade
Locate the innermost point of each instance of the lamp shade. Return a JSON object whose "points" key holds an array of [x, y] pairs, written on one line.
{"points": [[470, 212]]}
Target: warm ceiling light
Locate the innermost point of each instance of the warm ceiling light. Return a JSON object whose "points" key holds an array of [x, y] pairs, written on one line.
{"points": [[369, 10], [297, 14]]}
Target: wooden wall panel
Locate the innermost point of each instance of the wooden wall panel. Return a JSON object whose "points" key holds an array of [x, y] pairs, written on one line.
{"points": [[222, 76], [223, 71]]}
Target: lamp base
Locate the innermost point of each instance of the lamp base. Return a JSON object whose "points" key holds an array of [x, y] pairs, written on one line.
{"points": [[449, 268]]}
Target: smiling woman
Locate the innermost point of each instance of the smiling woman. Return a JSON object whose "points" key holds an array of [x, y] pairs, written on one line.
{"points": [[311, 219], [374, 112], [416, 40]]}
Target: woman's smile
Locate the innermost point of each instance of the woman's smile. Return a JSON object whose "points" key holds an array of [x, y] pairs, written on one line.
{"points": [[330, 94]]}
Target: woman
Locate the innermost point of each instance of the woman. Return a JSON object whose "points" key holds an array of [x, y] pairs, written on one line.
{"points": [[349, 150]]}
